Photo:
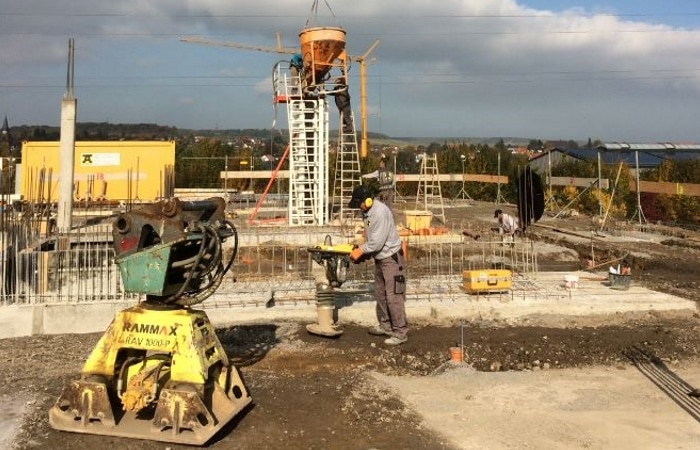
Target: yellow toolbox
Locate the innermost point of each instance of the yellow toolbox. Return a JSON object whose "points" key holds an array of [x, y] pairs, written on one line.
{"points": [[474, 281]]}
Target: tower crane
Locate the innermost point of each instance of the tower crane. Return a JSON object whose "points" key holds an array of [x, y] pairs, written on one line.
{"points": [[260, 48], [362, 61], [279, 49]]}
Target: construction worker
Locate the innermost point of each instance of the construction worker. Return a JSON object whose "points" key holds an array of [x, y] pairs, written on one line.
{"points": [[296, 66], [342, 102], [507, 226], [625, 269], [382, 243], [385, 177]]}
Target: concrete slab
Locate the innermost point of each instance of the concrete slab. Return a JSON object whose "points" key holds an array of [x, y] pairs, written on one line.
{"points": [[429, 301], [27, 320], [16, 321], [593, 408], [530, 298]]}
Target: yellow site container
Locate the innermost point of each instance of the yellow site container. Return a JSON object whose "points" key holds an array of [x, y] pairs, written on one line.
{"points": [[103, 170], [418, 220], [474, 281]]}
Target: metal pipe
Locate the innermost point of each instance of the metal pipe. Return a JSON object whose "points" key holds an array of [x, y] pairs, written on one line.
{"points": [[461, 343]]}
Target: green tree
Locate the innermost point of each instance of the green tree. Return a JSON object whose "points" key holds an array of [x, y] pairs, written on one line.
{"points": [[535, 145]]}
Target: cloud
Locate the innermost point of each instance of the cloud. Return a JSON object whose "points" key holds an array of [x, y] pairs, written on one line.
{"points": [[465, 68]]}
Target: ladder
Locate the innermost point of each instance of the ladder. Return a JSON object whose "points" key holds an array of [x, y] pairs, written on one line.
{"points": [[429, 190], [347, 172]]}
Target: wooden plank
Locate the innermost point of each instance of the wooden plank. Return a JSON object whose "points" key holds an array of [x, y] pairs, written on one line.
{"points": [[248, 174], [579, 182], [468, 177], [257, 174], [689, 189], [665, 187]]}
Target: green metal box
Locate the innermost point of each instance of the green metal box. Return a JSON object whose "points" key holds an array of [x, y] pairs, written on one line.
{"points": [[145, 272]]}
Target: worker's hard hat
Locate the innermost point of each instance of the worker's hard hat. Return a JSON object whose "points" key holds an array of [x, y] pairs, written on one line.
{"points": [[359, 196]]}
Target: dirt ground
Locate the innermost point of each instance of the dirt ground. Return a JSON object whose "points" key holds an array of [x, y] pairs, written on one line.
{"points": [[353, 393]]}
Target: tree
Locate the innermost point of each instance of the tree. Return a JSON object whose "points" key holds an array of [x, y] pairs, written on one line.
{"points": [[500, 146], [434, 147], [535, 145]]}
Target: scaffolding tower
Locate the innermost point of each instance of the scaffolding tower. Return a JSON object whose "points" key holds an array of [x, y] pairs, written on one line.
{"points": [[308, 168], [308, 143], [305, 87], [429, 190]]}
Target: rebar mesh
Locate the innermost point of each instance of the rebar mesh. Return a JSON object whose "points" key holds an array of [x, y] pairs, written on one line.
{"points": [[40, 267]]}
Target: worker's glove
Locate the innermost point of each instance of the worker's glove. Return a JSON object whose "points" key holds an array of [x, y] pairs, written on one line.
{"points": [[356, 254]]}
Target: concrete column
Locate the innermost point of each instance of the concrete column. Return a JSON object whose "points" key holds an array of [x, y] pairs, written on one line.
{"points": [[67, 164]]}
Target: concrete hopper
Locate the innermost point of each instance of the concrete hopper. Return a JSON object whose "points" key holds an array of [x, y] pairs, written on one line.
{"points": [[322, 49]]}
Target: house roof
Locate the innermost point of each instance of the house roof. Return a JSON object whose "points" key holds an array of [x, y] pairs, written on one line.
{"points": [[650, 154], [645, 159], [646, 155], [666, 147]]}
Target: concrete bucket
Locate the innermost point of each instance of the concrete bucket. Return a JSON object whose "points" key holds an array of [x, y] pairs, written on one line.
{"points": [[321, 47]]}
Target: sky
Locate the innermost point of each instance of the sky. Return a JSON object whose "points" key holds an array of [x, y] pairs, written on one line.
{"points": [[613, 70]]}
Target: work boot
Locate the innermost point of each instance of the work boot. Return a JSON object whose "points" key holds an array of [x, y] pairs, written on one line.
{"points": [[377, 330], [396, 340]]}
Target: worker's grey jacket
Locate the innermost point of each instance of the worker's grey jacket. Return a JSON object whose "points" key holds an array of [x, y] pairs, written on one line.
{"points": [[381, 237], [385, 178]]}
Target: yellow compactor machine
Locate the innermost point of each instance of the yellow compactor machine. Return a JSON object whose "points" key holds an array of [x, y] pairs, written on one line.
{"points": [[159, 372]]}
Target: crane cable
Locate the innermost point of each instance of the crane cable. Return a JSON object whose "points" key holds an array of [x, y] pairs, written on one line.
{"points": [[313, 14]]}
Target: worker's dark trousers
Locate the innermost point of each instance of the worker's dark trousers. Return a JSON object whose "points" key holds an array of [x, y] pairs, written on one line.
{"points": [[390, 292]]}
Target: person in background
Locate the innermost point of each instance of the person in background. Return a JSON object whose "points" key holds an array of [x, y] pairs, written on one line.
{"points": [[621, 269], [385, 177], [296, 65], [625, 269], [382, 243], [507, 225], [342, 102]]}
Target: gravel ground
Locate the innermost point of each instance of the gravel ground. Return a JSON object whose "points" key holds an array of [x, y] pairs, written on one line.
{"points": [[546, 385], [311, 392]]}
